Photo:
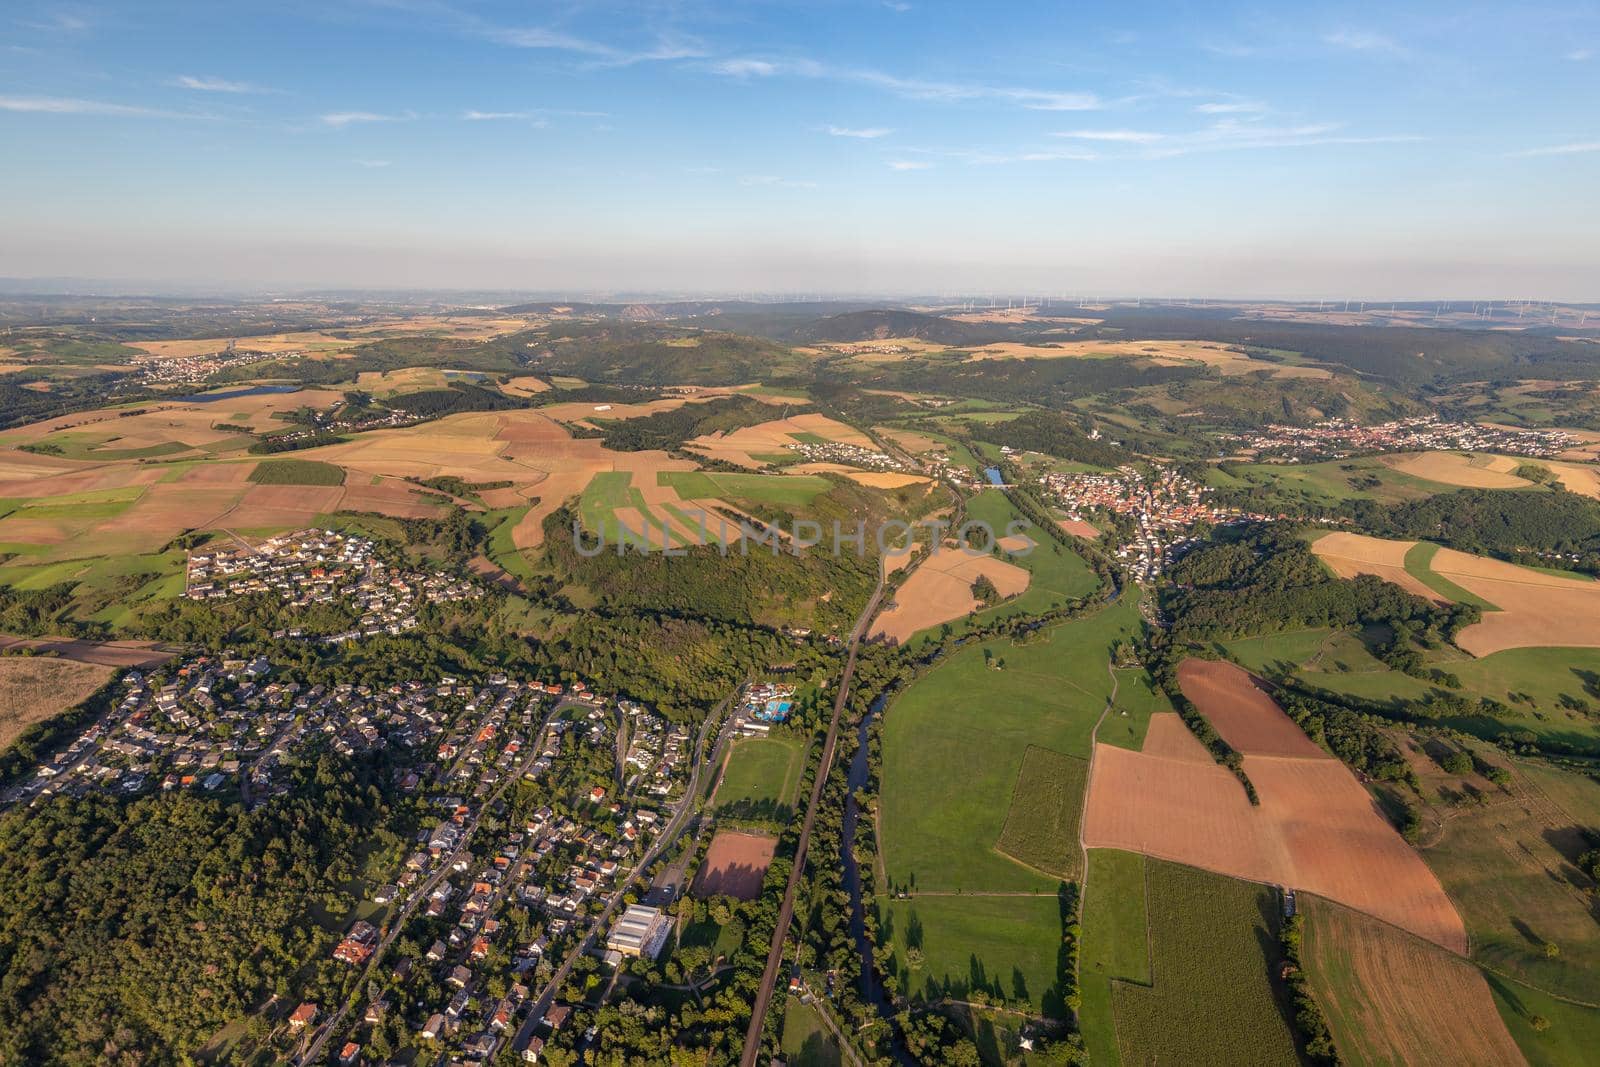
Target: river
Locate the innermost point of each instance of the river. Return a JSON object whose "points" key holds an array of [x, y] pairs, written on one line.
{"points": [[871, 990]]}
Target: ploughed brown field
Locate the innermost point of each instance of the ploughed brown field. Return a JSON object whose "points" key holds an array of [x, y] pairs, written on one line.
{"points": [[1316, 828], [1238, 709], [735, 865], [1390, 997]]}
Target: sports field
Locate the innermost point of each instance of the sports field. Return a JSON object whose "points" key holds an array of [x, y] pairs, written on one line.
{"points": [[806, 1041], [1213, 944], [761, 777]]}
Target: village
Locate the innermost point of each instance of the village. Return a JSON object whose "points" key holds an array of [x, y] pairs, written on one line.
{"points": [[506, 916], [1342, 438], [1162, 504], [848, 454], [510, 891], [324, 567]]}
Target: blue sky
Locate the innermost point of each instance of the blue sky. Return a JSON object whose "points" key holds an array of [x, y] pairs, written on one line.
{"points": [[1371, 151]]}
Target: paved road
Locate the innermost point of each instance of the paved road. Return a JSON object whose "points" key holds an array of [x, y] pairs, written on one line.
{"points": [[418, 895], [669, 835], [769, 980]]}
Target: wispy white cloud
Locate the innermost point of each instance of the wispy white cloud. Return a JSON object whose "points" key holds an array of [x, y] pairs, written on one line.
{"points": [[202, 84], [1571, 149], [909, 164], [372, 163], [910, 88], [1356, 40], [666, 47], [340, 119], [57, 105], [776, 181], [536, 115], [1579, 55], [1230, 135], [61, 20], [743, 68], [1122, 136], [898, 6], [867, 133], [1231, 107]]}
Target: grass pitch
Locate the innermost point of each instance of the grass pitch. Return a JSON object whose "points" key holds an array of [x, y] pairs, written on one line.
{"points": [[762, 777]]}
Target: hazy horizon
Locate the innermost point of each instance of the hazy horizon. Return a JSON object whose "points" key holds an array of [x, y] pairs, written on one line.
{"points": [[1355, 152]]}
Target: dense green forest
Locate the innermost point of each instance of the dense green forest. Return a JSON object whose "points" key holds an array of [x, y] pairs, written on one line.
{"points": [[656, 354], [668, 430], [1053, 434], [131, 931]]}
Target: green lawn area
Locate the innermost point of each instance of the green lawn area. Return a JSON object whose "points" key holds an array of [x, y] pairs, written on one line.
{"points": [[1329, 482], [1547, 680], [1114, 944], [1505, 866], [296, 472], [806, 437], [1213, 944], [954, 743], [501, 550], [1419, 560], [762, 777], [1007, 946], [783, 490], [1057, 575], [1137, 700], [806, 1042], [1573, 1033], [606, 491]]}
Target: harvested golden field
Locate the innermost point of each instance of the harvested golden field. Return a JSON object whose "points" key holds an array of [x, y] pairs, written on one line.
{"points": [[1352, 554], [35, 688], [871, 479], [1536, 609], [1226, 359], [1475, 471], [940, 590], [1238, 709], [527, 385], [1392, 998], [1315, 829], [1580, 478], [743, 445], [912, 442]]}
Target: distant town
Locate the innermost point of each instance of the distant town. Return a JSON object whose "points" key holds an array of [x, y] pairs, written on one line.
{"points": [[1342, 438]]}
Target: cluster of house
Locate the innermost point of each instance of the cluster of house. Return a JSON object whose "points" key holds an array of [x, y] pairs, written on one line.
{"points": [[564, 868], [335, 420], [1341, 438], [1163, 504], [325, 567], [760, 705], [155, 369], [938, 465], [214, 719], [850, 455]]}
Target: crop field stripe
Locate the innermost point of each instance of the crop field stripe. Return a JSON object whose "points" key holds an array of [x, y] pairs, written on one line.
{"points": [[1418, 560], [1213, 945], [1115, 945], [1041, 828], [296, 472]]}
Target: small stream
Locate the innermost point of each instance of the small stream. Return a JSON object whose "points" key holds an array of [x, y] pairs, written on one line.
{"points": [[871, 991]]}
